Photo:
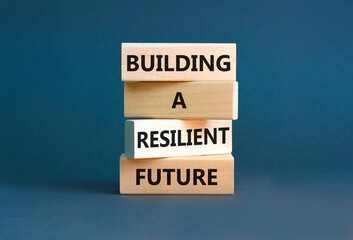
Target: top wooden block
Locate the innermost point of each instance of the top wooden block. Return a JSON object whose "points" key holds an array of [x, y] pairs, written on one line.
{"points": [[178, 61]]}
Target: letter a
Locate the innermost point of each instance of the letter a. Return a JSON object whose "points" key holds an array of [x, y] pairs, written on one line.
{"points": [[181, 102]]}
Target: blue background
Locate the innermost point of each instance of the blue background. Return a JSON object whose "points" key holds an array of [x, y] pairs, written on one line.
{"points": [[61, 120]]}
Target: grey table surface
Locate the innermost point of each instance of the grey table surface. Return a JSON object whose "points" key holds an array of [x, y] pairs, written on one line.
{"points": [[288, 206]]}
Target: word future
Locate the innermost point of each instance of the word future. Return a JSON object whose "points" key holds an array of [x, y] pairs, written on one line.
{"points": [[210, 174], [197, 176], [163, 138], [178, 62]]}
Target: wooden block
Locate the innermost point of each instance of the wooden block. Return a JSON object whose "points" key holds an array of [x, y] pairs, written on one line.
{"points": [[167, 138], [210, 174], [178, 61], [181, 100]]}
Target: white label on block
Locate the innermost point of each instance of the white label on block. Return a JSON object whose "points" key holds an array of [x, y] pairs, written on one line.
{"points": [[166, 138]]}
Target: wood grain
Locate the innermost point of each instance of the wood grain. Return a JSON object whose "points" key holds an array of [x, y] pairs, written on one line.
{"points": [[203, 100], [172, 50], [218, 171], [166, 138]]}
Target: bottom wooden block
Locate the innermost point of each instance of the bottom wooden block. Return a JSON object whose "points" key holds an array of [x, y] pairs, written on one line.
{"points": [[207, 174]]}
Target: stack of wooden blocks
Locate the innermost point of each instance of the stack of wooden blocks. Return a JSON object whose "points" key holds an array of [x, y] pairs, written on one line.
{"points": [[187, 97]]}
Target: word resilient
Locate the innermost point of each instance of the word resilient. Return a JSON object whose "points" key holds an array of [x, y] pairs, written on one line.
{"points": [[165, 138]]}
